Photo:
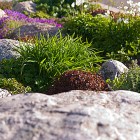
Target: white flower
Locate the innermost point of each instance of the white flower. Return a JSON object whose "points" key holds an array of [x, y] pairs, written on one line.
{"points": [[119, 20], [125, 7], [108, 12], [79, 2], [138, 4], [123, 20], [131, 12], [134, 10], [120, 7], [129, 2], [85, 6], [127, 12], [73, 4], [133, 5]]}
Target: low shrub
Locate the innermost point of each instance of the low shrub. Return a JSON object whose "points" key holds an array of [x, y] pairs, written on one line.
{"points": [[61, 8], [128, 53], [78, 80], [13, 86], [9, 76], [106, 34], [38, 14]]}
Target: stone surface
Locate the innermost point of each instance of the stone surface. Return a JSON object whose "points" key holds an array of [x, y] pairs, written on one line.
{"points": [[7, 48], [74, 115], [4, 93], [34, 29], [2, 13], [112, 69], [26, 6]]}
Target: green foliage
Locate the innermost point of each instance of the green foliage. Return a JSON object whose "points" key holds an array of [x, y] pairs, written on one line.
{"points": [[91, 28], [61, 8], [9, 75], [105, 33], [49, 58], [38, 14], [128, 53], [9, 68], [57, 8], [127, 81], [13, 86]]}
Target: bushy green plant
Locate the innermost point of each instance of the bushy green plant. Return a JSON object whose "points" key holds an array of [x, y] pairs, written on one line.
{"points": [[57, 8], [38, 14], [49, 58], [128, 53], [9, 68], [105, 33], [13, 86], [127, 81], [61, 8], [91, 28], [9, 76]]}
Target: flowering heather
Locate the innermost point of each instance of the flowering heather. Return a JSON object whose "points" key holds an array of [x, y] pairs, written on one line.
{"points": [[20, 18]]}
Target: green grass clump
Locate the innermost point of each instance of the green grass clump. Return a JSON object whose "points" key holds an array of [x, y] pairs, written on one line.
{"points": [[40, 63]]}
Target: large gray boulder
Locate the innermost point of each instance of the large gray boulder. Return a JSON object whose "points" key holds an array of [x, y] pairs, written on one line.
{"points": [[74, 115], [26, 6], [112, 69], [32, 30], [7, 47]]}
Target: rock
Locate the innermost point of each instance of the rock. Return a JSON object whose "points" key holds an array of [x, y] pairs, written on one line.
{"points": [[78, 80], [4, 93], [7, 48], [112, 69], [74, 115], [2, 14], [33, 29], [27, 6]]}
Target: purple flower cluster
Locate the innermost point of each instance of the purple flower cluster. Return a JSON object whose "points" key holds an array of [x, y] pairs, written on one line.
{"points": [[19, 16], [3, 27], [16, 16]]}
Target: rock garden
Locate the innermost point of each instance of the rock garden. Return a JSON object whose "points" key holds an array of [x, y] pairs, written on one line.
{"points": [[69, 70]]}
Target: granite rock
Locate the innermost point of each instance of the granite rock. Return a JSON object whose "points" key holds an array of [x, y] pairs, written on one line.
{"points": [[32, 30], [74, 115], [4, 93], [7, 48], [112, 69], [26, 6]]}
